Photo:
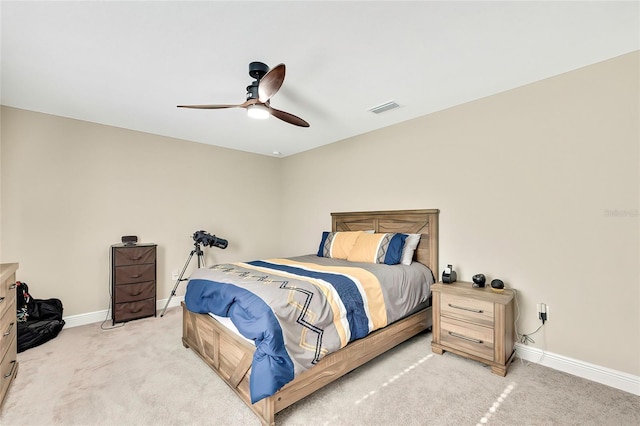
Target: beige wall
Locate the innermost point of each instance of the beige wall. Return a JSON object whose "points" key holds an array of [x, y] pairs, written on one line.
{"points": [[70, 189], [537, 186], [526, 181]]}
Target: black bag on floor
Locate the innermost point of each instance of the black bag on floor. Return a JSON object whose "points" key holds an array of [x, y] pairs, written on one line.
{"points": [[39, 320], [34, 333], [47, 309]]}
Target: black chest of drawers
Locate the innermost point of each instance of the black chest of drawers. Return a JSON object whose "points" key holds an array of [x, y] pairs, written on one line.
{"points": [[133, 281]]}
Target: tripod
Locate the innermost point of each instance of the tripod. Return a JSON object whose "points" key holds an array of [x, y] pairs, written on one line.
{"points": [[197, 251]]}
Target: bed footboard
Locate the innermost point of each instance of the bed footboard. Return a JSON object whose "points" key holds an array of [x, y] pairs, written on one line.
{"points": [[230, 357], [226, 353]]}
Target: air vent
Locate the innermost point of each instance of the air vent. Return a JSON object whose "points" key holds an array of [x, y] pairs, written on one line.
{"points": [[384, 107]]}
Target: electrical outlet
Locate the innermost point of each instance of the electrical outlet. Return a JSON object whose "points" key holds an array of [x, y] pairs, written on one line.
{"points": [[543, 312], [547, 311], [174, 275]]}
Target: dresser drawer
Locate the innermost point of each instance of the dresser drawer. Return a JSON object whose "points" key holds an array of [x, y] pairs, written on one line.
{"points": [[8, 296], [133, 292], [134, 310], [135, 274], [467, 309], [8, 368], [134, 255], [8, 330], [470, 338]]}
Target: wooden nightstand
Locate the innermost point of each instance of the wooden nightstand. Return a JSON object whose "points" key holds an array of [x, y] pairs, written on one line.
{"points": [[476, 323]]}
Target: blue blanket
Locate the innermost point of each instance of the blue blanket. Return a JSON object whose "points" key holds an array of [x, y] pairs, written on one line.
{"points": [[272, 368]]}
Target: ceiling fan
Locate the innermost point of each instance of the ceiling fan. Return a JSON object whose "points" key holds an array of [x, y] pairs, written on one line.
{"points": [[259, 93]]}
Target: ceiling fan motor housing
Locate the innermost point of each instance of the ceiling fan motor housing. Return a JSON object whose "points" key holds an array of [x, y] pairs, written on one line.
{"points": [[257, 70]]}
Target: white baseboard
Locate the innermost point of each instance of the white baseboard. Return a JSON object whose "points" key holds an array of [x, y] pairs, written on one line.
{"points": [[100, 316], [606, 376]]}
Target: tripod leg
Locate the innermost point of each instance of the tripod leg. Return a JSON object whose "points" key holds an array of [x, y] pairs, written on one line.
{"points": [[173, 292], [201, 263]]}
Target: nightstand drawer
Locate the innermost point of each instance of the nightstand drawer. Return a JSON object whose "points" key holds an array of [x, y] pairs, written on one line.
{"points": [[467, 309], [135, 274], [470, 338]]}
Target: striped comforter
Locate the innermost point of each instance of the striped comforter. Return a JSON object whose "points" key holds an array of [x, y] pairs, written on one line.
{"points": [[297, 310]]}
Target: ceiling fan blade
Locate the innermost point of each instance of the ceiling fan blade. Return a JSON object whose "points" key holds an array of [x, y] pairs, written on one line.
{"points": [[212, 106], [289, 118], [221, 106], [271, 83]]}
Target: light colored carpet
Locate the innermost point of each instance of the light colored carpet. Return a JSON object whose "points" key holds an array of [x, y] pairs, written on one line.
{"points": [[140, 374]]}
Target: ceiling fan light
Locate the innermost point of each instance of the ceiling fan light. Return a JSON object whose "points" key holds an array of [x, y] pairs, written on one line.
{"points": [[260, 112]]}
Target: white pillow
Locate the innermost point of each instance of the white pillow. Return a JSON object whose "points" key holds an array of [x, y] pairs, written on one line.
{"points": [[410, 245]]}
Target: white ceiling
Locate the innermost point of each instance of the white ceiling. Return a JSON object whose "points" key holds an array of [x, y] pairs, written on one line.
{"points": [[128, 64]]}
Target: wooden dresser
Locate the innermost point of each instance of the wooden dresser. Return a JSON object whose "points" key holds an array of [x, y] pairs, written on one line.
{"points": [[8, 328], [133, 281], [476, 323]]}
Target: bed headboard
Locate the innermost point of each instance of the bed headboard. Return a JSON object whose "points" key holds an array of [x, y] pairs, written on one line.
{"points": [[423, 222]]}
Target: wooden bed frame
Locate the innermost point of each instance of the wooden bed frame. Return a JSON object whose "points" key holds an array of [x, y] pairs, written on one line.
{"points": [[230, 356]]}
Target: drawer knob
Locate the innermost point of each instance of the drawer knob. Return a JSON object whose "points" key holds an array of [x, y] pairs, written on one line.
{"points": [[460, 336], [1, 299], [12, 286], [464, 308]]}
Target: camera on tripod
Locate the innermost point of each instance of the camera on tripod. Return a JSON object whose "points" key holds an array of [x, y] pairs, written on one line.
{"points": [[206, 239]]}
